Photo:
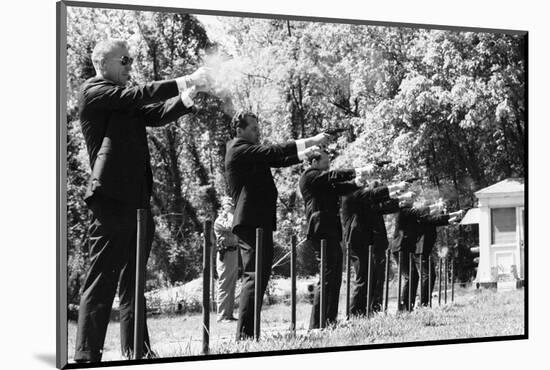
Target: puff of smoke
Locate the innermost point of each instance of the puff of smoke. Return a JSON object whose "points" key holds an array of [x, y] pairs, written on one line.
{"points": [[228, 73]]}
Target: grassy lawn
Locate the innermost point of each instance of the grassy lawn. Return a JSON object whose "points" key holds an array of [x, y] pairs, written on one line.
{"points": [[474, 313]]}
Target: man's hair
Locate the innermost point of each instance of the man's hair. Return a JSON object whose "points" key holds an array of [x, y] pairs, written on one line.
{"points": [[239, 120], [374, 184], [316, 156], [103, 48]]}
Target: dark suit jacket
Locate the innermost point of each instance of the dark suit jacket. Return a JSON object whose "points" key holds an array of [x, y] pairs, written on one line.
{"points": [[113, 121], [321, 191], [428, 230], [250, 183], [408, 228], [358, 215], [379, 232]]}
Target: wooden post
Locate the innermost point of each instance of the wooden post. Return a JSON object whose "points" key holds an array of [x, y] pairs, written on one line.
{"points": [[348, 280], [369, 282], [293, 284], [439, 278], [387, 280], [323, 290], [420, 282], [452, 280], [430, 279], [399, 261], [410, 282], [258, 283], [139, 309], [446, 277], [206, 286], [213, 301]]}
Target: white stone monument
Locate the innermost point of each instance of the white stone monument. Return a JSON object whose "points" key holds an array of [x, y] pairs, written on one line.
{"points": [[501, 216]]}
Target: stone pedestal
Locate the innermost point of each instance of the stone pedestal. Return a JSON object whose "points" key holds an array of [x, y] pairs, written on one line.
{"points": [[509, 281]]}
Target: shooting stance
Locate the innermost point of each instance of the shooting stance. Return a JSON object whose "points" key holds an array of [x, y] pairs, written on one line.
{"points": [[360, 217], [409, 238], [113, 119], [321, 189], [427, 236], [251, 185]]}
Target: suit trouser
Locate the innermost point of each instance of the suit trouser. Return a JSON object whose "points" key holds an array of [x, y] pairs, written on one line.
{"points": [[378, 276], [228, 270], [247, 245], [360, 263], [333, 281], [426, 266], [112, 247], [406, 275]]}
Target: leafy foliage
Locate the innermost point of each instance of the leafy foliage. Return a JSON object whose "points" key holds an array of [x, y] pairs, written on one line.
{"points": [[446, 106]]}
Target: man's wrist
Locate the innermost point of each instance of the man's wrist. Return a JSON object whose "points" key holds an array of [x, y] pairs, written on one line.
{"points": [[183, 83], [301, 146], [186, 98]]}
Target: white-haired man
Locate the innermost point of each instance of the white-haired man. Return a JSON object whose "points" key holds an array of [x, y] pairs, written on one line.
{"points": [[113, 119]]}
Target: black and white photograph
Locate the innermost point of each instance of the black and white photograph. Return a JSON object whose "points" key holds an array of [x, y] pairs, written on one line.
{"points": [[239, 184]]}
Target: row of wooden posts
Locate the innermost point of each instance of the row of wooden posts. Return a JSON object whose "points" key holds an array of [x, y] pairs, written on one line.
{"points": [[207, 250]]}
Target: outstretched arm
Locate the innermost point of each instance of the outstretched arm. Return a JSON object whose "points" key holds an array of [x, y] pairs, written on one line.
{"points": [[277, 155], [162, 113], [438, 220], [340, 180], [107, 95], [367, 196]]}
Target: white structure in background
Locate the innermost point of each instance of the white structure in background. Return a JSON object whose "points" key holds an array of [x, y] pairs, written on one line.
{"points": [[501, 216]]}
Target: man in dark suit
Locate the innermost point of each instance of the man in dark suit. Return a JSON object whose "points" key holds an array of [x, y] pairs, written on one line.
{"points": [[113, 120], [411, 224], [321, 190], [405, 236], [380, 245], [251, 185], [361, 226], [424, 247]]}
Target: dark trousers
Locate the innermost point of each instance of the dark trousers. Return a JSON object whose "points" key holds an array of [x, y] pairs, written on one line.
{"points": [[378, 277], [112, 246], [360, 263], [333, 281], [406, 275], [426, 267], [247, 245]]}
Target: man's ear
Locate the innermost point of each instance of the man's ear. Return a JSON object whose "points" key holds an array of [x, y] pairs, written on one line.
{"points": [[102, 64]]}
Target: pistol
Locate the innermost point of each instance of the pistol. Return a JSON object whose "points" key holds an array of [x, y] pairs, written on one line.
{"points": [[410, 180], [382, 163], [335, 131]]}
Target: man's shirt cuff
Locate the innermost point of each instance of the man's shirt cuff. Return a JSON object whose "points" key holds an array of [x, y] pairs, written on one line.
{"points": [[300, 147], [186, 99], [182, 83]]}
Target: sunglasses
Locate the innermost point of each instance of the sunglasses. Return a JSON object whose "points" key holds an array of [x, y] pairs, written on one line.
{"points": [[125, 60]]}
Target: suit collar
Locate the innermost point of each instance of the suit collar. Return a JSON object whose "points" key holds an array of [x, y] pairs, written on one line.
{"points": [[240, 140], [309, 169], [98, 79]]}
